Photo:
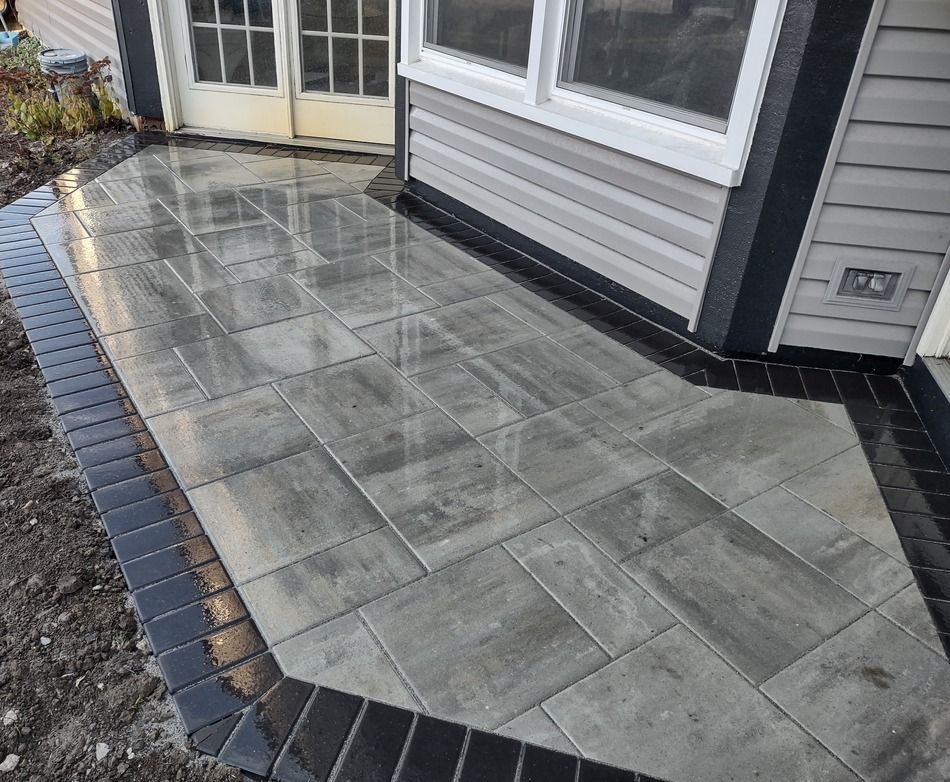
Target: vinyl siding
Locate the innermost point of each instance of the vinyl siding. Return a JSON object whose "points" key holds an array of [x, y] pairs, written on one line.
{"points": [[87, 25], [648, 228], [887, 194]]}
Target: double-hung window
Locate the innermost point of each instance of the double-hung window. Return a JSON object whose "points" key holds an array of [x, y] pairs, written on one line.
{"points": [[675, 81]]}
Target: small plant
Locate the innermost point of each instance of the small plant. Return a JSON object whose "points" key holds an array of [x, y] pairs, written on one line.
{"points": [[22, 57], [44, 105]]}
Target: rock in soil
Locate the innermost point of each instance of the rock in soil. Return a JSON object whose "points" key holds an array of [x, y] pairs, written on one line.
{"points": [[95, 682], [10, 762], [68, 585]]}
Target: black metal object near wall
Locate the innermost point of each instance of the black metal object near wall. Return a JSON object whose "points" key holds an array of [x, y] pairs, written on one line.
{"points": [[138, 57]]}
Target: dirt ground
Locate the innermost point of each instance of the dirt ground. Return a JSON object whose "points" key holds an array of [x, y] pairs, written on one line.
{"points": [[80, 696], [24, 164]]}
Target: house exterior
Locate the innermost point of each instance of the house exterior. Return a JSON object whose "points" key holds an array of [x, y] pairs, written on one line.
{"points": [[767, 177]]}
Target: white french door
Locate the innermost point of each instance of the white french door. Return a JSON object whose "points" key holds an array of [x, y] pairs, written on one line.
{"points": [[319, 69], [344, 66]]}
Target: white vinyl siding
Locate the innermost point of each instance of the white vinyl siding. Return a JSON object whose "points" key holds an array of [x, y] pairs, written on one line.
{"points": [[87, 25], [648, 228], [888, 193]]}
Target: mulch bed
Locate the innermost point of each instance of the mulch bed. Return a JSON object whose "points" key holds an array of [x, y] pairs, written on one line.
{"points": [[25, 164]]}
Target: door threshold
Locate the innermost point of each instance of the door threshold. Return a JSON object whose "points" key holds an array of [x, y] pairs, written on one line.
{"points": [[307, 142]]}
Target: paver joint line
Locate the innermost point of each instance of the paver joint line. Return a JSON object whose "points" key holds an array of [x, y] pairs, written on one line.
{"points": [[239, 704]]}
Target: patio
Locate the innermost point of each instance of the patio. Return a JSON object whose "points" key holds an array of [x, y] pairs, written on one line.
{"points": [[438, 490]]}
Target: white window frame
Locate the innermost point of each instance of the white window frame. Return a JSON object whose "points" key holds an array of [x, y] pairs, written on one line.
{"points": [[717, 157]]}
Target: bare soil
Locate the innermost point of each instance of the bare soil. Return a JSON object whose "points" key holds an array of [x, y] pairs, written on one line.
{"points": [[75, 670], [80, 695], [25, 164]]}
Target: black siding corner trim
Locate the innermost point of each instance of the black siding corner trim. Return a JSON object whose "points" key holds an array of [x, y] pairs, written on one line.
{"points": [[766, 215], [140, 72]]}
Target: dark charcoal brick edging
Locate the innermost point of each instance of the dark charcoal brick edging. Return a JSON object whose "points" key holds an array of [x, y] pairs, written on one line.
{"points": [[233, 699]]}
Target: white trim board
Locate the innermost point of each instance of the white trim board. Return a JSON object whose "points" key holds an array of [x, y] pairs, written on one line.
{"points": [[297, 141], [164, 63], [932, 337]]}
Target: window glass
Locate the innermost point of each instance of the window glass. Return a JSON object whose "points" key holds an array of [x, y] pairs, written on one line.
{"points": [[237, 66], [261, 13], [313, 15], [376, 68], [227, 48], [207, 54], [265, 59], [346, 71], [350, 55], [316, 63], [494, 30], [680, 54], [202, 11], [231, 11], [375, 17], [345, 16]]}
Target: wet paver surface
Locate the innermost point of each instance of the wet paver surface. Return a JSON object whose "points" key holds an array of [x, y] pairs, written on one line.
{"points": [[439, 491]]}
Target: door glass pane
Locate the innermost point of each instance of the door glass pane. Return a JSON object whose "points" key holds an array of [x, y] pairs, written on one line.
{"points": [[679, 55], [498, 32], [316, 63], [346, 70], [265, 60], [344, 16], [207, 54], [248, 55], [237, 67], [202, 11], [355, 50], [375, 17], [232, 11], [261, 13], [376, 68], [313, 15]]}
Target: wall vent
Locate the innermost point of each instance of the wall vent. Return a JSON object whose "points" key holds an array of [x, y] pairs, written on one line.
{"points": [[863, 283]]}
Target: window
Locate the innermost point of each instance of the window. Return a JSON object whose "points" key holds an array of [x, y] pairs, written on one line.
{"points": [[344, 46], [233, 42], [493, 31], [677, 82], [680, 58]]}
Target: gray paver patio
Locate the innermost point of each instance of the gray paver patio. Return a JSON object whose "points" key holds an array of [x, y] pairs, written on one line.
{"points": [[876, 696], [441, 491]]}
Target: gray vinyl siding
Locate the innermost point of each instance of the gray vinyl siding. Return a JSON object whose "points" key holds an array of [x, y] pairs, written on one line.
{"points": [[888, 195], [648, 228], [87, 25]]}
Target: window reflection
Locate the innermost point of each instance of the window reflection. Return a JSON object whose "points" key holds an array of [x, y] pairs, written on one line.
{"points": [[683, 54], [494, 30]]}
